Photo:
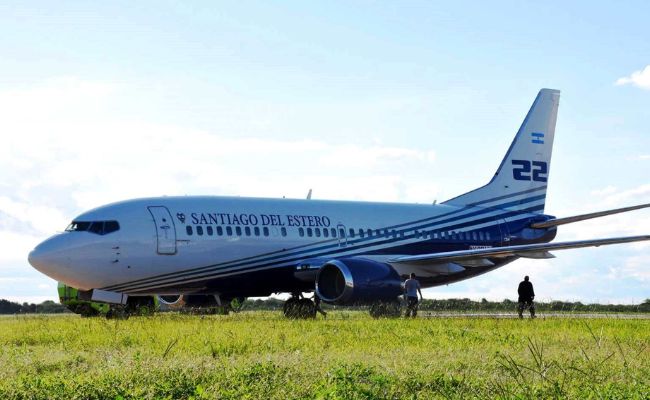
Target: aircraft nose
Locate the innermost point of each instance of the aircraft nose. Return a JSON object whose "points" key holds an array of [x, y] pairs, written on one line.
{"points": [[48, 259], [38, 259]]}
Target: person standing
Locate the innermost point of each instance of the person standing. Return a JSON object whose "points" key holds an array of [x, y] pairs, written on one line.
{"points": [[411, 289], [526, 296]]}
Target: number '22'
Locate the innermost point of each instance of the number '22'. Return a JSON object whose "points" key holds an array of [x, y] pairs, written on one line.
{"points": [[522, 170]]}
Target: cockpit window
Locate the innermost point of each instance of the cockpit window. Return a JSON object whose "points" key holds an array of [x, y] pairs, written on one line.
{"points": [[96, 227], [111, 226], [78, 226]]}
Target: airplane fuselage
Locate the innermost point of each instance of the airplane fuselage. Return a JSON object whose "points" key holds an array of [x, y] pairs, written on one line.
{"points": [[255, 247]]}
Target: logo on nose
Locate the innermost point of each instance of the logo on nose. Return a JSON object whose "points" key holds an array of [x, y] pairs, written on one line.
{"points": [[181, 217]]}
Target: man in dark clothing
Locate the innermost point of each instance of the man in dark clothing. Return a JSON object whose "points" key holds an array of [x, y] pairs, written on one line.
{"points": [[526, 296], [411, 289]]}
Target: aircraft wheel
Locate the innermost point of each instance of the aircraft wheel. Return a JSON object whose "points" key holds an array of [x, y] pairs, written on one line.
{"points": [[299, 309], [289, 308], [307, 308]]}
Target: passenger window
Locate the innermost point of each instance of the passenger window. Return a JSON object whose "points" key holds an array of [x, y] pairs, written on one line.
{"points": [[199, 230], [326, 232], [229, 231], [369, 233], [309, 233], [247, 230], [219, 231], [210, 230], [266, 231], [301, 232], [351, 232], [333, 232], [487, 235], [238, 230], [188, 229], [257, 231], [283, 231], [317, 232], [480, 235], [361, 233], [341, 232]]}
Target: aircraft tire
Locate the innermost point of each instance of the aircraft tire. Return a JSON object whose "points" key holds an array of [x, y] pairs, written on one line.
{"points": [[299, 309]]}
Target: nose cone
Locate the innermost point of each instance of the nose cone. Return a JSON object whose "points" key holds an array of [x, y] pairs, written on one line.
{"points": [[49, 258]]}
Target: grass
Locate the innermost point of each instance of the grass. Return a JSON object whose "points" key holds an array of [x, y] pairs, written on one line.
{"points": [[348, 356]]}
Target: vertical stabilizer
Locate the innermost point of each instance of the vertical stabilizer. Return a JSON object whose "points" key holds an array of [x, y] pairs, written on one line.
{"points": [[521, 179]]}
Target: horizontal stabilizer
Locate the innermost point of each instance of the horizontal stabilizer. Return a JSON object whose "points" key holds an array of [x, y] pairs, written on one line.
{"points": [[576, 218], [526, 250]]}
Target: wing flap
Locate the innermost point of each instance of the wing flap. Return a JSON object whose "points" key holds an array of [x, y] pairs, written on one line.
{"points": [[538, 250]]}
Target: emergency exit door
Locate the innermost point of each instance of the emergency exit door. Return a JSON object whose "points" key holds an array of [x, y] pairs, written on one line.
{"points": [[165, 229]]}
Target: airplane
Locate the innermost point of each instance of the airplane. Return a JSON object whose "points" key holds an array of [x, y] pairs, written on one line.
{"points": [[210, 250]]}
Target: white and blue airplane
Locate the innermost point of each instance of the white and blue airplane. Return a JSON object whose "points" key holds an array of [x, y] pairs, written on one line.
{"points": [[214, 249]]}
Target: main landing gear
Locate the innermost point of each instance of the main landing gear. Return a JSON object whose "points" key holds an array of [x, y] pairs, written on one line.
{"points": [[298, 307]]}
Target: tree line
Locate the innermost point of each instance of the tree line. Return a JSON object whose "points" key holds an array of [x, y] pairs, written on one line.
{"points": [[446, 305], [467, 305], [46, 307]]}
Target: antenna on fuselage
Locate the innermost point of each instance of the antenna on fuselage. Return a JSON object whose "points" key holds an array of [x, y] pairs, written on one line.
{"points": [[309, 195]]}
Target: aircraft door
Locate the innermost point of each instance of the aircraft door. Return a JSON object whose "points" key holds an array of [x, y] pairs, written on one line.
{"points": [[165, 229], [341, 234]]}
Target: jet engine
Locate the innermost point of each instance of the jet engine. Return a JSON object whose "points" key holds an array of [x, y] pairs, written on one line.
{"points": [[357, 280]]}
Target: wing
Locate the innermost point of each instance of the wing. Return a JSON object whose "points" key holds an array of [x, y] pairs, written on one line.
{"points": [[480, 257], [583, 217]]}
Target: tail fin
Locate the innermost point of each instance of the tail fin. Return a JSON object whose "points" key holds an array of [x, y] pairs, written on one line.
{"points": [[520, 182]]}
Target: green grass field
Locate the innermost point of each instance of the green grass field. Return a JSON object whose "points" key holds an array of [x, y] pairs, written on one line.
{"points": [[259, 355]]}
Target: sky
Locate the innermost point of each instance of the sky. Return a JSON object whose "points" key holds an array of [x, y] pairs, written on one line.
{"points": [[404, 101]]}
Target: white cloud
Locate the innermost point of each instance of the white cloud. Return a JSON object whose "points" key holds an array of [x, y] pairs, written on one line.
{"points": [[637, 78], [67, 151]]}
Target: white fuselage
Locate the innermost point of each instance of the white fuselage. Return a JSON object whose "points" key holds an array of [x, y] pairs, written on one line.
{"points": [[195, 244]]}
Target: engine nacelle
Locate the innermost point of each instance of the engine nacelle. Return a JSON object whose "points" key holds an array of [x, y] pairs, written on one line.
{"points": [[356, 280]]}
